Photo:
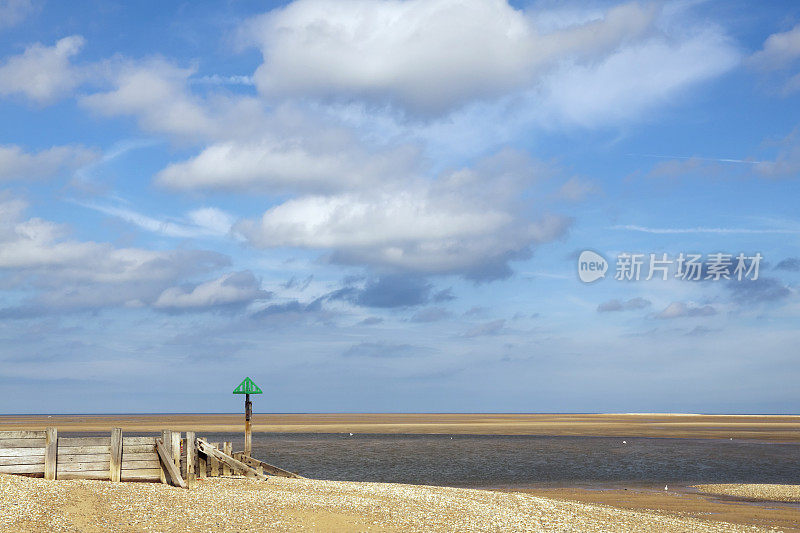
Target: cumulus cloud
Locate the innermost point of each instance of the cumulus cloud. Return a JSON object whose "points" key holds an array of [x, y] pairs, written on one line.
{"points": [[680, 310], [37, 256], [779, 50], [43, 73], [628, 305], [453, 225], [308, 163], [234, 289], [576, 189], [791, 264], [386, 291], [431, 314], [760, 290], [154, 91], [17, 164], [426, 55]]}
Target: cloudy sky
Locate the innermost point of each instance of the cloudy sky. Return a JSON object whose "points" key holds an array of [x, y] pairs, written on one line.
{"points": [[378, 205]]}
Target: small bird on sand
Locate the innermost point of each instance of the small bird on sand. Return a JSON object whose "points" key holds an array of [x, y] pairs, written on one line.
{"points": [[624, 442], [666, 488], [351, 434]]}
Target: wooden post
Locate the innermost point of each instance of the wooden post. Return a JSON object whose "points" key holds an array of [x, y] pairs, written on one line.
{"points": [[248, 434], [227, 449], [202, 466], [50, 453], [191, 459], [176, 449], [214, 462], [116, 454], [166, 440]]}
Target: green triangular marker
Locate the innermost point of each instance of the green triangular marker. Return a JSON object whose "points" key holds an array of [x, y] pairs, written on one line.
{"points": [[247, 387]]}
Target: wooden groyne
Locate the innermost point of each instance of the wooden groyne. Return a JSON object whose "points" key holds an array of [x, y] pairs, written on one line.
{"points": [[171, 458]]}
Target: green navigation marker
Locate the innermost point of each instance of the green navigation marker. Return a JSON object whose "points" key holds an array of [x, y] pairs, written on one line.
{"points": [[247, 387]]}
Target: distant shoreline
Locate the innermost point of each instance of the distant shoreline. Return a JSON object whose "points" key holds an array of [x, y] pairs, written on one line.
{"points": [[773, 428]]}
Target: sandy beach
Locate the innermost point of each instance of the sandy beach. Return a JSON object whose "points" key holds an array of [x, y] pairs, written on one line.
{"points": [[778, 428], [28, 504]]}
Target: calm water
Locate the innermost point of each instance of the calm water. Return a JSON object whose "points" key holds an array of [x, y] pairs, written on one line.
{"points": [[486, 461]]}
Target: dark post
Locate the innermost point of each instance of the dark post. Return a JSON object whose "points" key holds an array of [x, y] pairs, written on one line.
{"points": [[248, 437]]}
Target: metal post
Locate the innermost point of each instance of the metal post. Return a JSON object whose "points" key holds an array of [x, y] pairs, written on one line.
{"points": [[248, 437]]}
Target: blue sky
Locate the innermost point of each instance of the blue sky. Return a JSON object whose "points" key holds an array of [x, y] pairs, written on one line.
{"points": [[379, 205]]}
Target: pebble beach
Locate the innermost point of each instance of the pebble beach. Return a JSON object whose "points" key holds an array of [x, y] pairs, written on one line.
{"points": [[234, 504]]}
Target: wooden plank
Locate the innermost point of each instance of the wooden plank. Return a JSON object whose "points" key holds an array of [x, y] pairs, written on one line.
{"points": [[266, 467], [23, 434], [132, 441], [176, 449], [138, 448], [227, 449], [144, 474], [84, 441], [72, 450], [136, 465], [115, 463], [22, 469], [98, 474], [22, 443], [238, 466], [166, 440], [213, 463], [149, 456], [84, 458], [20, 452], [191, 459], [166, 460], [83, 467], [28, 460]]}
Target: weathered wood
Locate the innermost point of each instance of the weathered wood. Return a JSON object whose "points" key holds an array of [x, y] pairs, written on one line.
{"points": [[21, 452], [73, 450], [51, 453], [268, 468], [22, 443], [115, 462], [84, 458], [28, 460], [85, 441], [22, 469], [82, 467], [24, 434], [227, 449], [166, 441], [238, 466], [166, 460], [138, 448], [131, 441], [98, 474], [144, 474], [213, 463], [136, 465], [191, 459], [176, 449], [149, 456], [202, 466]]}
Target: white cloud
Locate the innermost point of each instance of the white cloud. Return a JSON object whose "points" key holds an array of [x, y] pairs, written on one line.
{"points": [[576, 189], [36, 253], [680, 309], [458, 224], [203, 222], [237, 288], [312, 163], [780, 50], [15, 163], [631, 80], [426, 55], [13, 12], [156, 92], [43, 73]]}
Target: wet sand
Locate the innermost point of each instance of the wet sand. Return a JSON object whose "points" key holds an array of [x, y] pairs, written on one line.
{"points": [[688, 502], [777, 428]]}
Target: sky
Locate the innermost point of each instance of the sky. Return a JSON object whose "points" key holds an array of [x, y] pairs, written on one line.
{"points": [[380, 206]]}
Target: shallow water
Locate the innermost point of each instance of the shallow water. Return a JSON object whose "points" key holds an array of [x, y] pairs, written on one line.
{"points": [[515, 461]]}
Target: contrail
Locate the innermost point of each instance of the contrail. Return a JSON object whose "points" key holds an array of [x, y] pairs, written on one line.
{"points": [[724, 231], [716, 159]]}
